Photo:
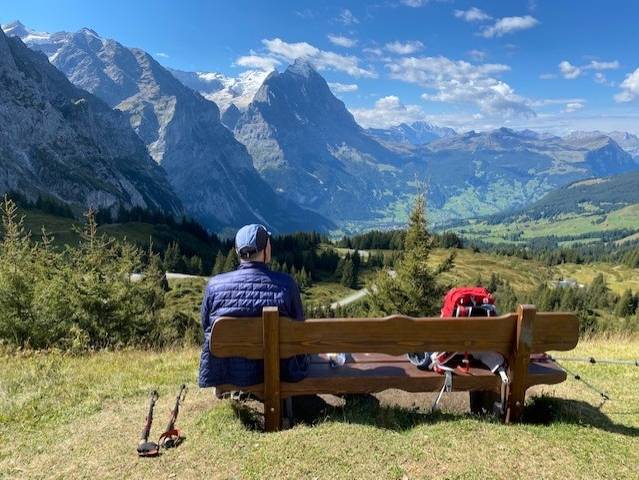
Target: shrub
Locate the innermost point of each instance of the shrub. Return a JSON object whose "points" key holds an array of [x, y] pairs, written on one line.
{"points": [[78, 298]]}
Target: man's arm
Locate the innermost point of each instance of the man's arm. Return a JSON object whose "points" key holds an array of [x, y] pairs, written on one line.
{"points": [[205, 310], [295, 368], [297, 310]]}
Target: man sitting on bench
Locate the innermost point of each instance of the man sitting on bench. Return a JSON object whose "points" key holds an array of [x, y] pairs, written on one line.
{"points": [[243, 293]]}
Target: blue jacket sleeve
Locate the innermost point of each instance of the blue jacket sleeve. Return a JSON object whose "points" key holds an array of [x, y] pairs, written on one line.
{"points": [[205, 310], [296, 368], [297, 310]]}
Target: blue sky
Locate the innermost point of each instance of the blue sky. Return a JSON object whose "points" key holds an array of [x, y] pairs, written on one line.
{"points": [[549, 64]]}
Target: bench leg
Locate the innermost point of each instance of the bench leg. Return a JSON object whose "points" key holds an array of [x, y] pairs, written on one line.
{"points": [[272, 414], [271, 342], [519, 362]]}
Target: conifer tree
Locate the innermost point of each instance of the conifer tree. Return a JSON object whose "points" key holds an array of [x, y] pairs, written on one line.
{"points": [[414, 289], [626, 306], [172, 257], [349, 278], [232, 262], [195, 265], [220, 260]]}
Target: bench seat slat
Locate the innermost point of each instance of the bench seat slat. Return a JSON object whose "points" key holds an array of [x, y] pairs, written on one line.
{"points": [[372, 377]]}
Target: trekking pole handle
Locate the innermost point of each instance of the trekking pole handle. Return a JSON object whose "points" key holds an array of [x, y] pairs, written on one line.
{"points": [[174, 413], [153, 397]]}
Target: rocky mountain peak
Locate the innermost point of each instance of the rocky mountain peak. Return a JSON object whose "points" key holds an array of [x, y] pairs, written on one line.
{"points": [[302, 67], [63, 142], [16, 28], [209, 169]]}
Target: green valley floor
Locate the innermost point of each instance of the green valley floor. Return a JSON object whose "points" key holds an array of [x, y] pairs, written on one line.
{"points": [[67, 416]]}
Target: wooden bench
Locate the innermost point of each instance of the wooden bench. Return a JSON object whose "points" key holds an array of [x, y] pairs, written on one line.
{"points": [[515, 335]]}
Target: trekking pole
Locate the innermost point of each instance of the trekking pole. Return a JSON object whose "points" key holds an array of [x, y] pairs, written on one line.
{"points": [[594, 361], [604, 396], [146, 448], [172, 436]]}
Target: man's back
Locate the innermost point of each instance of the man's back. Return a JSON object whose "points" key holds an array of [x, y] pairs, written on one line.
{"points": [[243, 293]]}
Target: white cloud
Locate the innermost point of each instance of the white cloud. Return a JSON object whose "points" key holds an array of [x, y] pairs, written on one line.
{"points": [[473, 14], [404, 48], [346, 17], [595, 65], [414, 3], [337, 87], [573, 107], [507, 25], [629, 88], [460, 82], [568, 70], [556, 101], [256, 61], [342, 41], [162, 55], [322, 59], [477, 55], [374, 51], [601, 79], [386, 112]]}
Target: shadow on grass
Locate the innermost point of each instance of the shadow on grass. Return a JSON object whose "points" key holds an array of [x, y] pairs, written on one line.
{"points": [[358, 409], [546, 410], [366, 410]]}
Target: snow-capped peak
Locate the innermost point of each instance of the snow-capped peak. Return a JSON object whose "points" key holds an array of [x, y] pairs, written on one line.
{"points": [[17, 29]]}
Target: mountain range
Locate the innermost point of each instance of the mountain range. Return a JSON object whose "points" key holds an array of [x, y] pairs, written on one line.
{"points": [[210, 171], [59, 141], [417, 133], [285, 151]]}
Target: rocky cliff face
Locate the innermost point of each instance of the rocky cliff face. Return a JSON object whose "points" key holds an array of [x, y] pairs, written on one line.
{"points": [[306, 144], [58, 140], [209, 170]]}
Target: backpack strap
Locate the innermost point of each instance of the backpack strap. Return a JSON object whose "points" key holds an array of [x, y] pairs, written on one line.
{"points": [[446, 387]]}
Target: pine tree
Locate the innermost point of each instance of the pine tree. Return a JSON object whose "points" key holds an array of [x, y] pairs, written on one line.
{"points": [[218, 266], [232, 262], [626, 305], [493, 284], [172, 257], [349, 278], [195, 265], [357, 262], [414, 289]]}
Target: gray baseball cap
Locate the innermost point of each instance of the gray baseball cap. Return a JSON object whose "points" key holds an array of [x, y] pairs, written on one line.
{"points": [[251, 239]]}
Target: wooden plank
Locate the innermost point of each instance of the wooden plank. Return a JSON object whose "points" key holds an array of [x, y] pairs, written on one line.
{"points": [[237, 337], [396, 335], [392, 335], [519, 360], [271, 343], [555, 331], [372, 378]]}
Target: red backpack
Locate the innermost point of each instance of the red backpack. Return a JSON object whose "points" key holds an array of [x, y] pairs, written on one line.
{"points": [[460, 302], [464, 302]]}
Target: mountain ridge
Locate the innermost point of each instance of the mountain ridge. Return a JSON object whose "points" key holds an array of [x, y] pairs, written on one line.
{"points": [[209, 169], [58, 140]]}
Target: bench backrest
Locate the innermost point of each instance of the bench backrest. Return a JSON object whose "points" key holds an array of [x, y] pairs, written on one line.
{"points": [[393, 335]]}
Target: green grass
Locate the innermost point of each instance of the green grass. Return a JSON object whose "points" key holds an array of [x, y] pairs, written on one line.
{"points": [[65, 232], [565, 225], [524, 275], [324, 293], [79, 417]]}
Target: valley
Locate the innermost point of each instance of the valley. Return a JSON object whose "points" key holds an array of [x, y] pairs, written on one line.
{"points": [[278, 147]]}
